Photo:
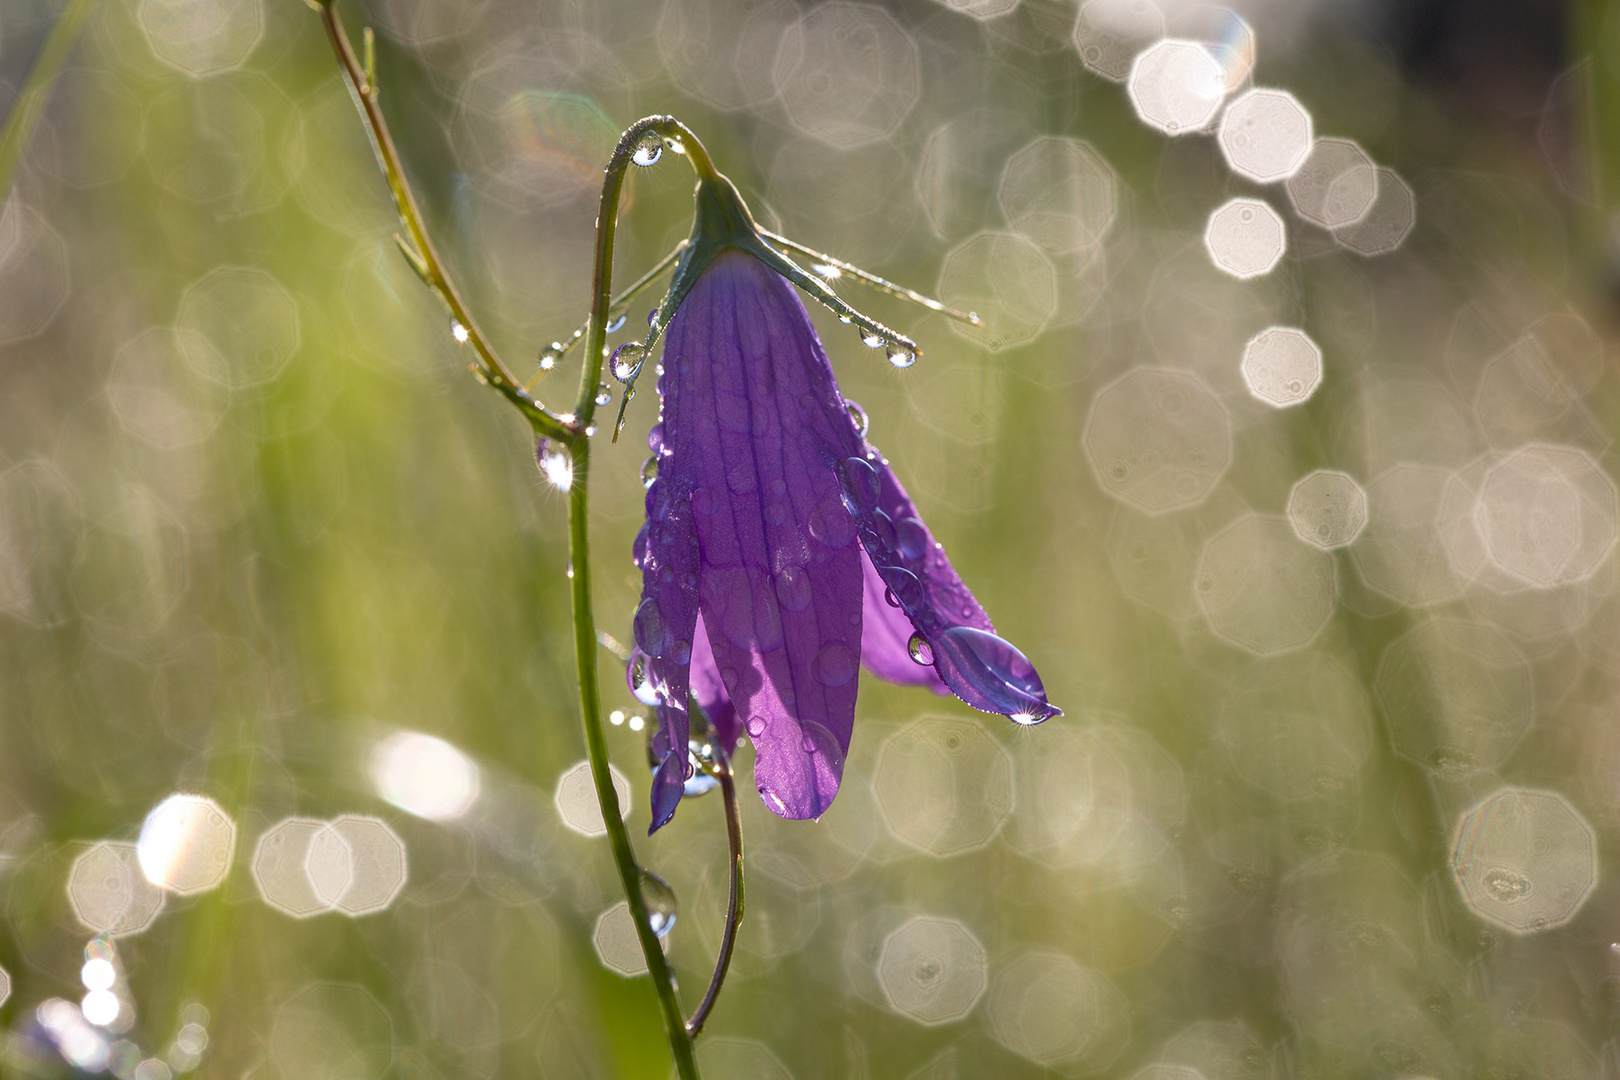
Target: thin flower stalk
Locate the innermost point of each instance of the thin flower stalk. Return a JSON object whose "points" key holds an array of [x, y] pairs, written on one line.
{"points": [[573, 431]]}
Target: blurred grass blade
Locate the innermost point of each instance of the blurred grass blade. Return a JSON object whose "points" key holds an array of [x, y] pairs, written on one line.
{"points": [[31, 100]]}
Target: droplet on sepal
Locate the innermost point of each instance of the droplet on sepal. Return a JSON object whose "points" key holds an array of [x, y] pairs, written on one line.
{"points": [[660, 901], [627, 360], [648, 150]]}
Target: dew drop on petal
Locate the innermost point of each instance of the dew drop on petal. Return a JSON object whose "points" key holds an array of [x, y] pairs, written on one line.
{"points": [[921, 652], [835, 664], [858, 414], [649, 628], [860, 484], [649, 471], [756, 726], [793, 589]]}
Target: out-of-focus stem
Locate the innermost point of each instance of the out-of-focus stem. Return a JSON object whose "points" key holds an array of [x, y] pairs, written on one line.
{"points": [[734, 904], [31, 100]]}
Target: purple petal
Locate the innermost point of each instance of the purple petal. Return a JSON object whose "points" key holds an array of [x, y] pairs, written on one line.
{"points": [[665, 622], [886, 636], [757, 426], [982, 669], [710, 693]]}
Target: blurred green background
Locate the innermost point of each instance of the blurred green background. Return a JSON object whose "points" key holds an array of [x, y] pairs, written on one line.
{"points": [[1324, 812]]}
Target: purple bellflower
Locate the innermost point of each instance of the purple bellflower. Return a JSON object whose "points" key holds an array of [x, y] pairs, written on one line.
{"points": [[780, 551]]}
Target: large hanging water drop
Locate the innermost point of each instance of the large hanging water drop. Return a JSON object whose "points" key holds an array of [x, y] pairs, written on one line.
{"points": [[627, 360], [660, 901], [873, 340], [900, 356], [648, 150]]}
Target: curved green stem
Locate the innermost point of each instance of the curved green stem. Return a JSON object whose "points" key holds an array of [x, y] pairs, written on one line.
{"points": [[734, 904], [31, 100]]}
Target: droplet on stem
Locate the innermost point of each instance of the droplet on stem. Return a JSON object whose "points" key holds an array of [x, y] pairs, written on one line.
{"points": [[660, 901], [648, 150]]}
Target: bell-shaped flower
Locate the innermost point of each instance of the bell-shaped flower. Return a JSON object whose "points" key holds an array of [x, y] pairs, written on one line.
{"points": [[780, 551]]}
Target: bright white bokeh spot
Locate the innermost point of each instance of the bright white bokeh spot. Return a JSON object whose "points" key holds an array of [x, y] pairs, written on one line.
{"points": [[423, 775], [186, 844], [1524, 860], [1060, 193], [1336, 186], [1051, 1010], [1265, 135], [1387, 222], [932, 970], [1328, 509], [100, 1007], [1282, 366], [1157, 439], [109, 893], [1261, 589], [279, 867], [944, 785], [1110, 33], [377, 863], [576, 799], [1177, 86], [98, 973], [1245, 238]]}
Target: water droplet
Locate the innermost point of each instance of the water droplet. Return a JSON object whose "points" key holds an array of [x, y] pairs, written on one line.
{"points": [[756, 726], [860, 484], [627, 360], [835, 664], [550, 355], [681, 652], [648, 150], [616, 323], [660, 901], [873, 340], [845, 319], [703, 501], [555, 465], [921, 652], [458, 331], [793, 590], [649, 471], [649, 628], [889, 598], [603, 394], [862, 423], [989, 673], [911, 538], [900, 356], [641, 684]]}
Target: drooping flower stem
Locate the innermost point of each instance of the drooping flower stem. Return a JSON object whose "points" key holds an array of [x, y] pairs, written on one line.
{"points": [[734, 903], [572, 431]]}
